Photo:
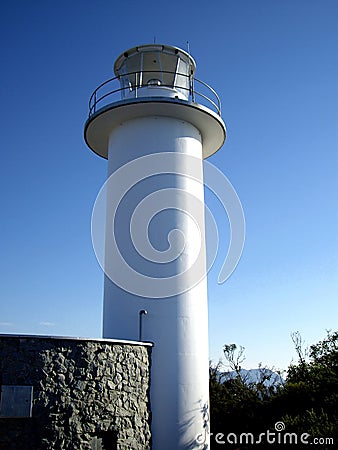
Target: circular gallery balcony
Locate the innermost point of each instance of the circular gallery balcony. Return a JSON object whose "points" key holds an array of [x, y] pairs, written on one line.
{"points": [[152, 83]]}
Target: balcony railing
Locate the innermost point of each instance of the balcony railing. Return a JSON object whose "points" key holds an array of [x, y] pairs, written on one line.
{"points": [[194, 90]]}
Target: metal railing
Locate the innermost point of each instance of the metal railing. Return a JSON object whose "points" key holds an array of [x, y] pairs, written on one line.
{"points": [[110, 90]]}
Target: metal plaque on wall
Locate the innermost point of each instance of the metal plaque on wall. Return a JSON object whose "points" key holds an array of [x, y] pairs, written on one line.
{"points": [[16, 401]]}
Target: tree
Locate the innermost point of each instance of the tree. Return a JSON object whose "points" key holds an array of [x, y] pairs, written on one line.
{"points": [[238, 404], [306, 403], [309, 400]]}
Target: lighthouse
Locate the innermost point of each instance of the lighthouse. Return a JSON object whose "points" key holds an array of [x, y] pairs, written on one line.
{"points": [[155, 123]]}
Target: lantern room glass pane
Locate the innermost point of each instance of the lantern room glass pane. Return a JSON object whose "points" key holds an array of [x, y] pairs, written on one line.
{"points": [[130, 74], [151, 68], [182, 78], [169, 65]]}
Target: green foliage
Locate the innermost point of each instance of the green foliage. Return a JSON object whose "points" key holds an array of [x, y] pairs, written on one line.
{"points": [[234, 405], [307, 402], [316, 423]]}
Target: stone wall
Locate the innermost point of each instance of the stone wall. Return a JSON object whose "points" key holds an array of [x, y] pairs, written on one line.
{"points": [[87, 394]]}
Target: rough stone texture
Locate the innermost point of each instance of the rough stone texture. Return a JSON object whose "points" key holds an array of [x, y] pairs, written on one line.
{"points": [[87, 394]]}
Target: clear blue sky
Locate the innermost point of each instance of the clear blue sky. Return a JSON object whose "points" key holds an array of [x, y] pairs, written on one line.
{"points": [[274, 65]]}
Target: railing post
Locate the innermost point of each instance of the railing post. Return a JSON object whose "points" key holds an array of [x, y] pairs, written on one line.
{"points": [[94, 103], [192, 92], [137, 74]]}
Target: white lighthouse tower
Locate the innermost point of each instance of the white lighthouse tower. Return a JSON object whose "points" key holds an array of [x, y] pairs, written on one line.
{"points": [[155, 123]]}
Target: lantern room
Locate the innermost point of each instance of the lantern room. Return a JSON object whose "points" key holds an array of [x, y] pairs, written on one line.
{"points": [[155, 71]]}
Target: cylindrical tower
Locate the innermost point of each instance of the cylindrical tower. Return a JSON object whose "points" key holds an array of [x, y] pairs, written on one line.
{"points": [[155, 136]]}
